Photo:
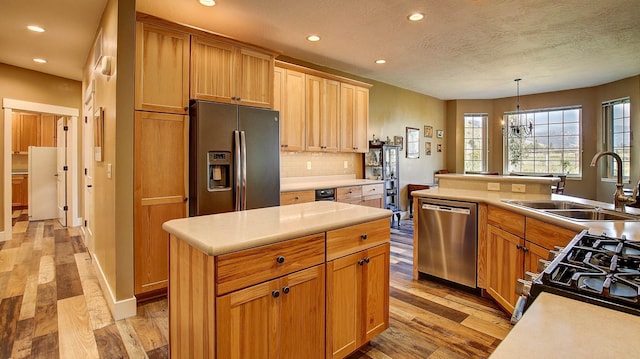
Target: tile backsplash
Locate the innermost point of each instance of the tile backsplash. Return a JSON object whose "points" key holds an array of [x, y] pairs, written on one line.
{"points": [[296, 164]]}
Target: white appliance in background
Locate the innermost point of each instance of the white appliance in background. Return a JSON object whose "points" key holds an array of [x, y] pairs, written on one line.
{"points": [[42, 183]]}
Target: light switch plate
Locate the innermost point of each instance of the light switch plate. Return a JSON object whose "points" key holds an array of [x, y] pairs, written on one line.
{"points": [[308, 165], [493, 186], [520, 188], [346, 164]]}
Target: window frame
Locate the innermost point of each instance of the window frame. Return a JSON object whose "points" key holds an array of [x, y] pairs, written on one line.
{"points": [[484, 141], [532, 115], [608, 134]]}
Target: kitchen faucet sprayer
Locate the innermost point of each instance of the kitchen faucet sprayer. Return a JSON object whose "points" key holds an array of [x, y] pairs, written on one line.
{"points": [[619, 199]]}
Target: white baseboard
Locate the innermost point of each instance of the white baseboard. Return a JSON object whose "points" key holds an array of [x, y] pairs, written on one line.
{"points": [[120, 309]]}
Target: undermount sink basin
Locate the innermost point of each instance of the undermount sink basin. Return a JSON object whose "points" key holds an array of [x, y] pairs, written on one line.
{"points": [[550, 204], [594, 215]]}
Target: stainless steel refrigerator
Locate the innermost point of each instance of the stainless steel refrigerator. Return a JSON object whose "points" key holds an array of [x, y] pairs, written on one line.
{"points": [[234, 158]]}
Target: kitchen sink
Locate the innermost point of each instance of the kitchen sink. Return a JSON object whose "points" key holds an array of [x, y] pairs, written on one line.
{"points": [[594, 215], [551, 204]]}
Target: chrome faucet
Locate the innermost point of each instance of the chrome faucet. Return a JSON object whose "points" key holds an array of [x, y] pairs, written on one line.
{"points": [[619, 199]]}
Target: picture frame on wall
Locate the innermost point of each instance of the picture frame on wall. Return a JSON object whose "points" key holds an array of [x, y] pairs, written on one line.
{"points": [[439, 147], [98, 134], [413, 142], [399, 141], [440, 133], [428, 131], [427, 148]]}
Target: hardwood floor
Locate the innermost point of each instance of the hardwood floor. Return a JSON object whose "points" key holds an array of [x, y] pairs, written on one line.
{"points": [[51, 306]]}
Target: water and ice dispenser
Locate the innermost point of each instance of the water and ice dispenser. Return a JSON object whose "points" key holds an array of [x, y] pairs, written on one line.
{"points": [[219, 170]]}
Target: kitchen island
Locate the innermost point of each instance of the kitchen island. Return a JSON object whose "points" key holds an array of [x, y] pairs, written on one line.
{"points": [[290, 281]]}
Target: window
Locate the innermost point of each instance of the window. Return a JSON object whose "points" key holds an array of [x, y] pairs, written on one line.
{"points": [[553, 145], [475, 141], [617, 135]]}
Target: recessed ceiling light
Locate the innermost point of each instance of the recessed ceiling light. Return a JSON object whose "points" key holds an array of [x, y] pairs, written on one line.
{"points": [[35, 28], [313, 38], [381, 61], [207, 2], [40, 61], [416, 16]]}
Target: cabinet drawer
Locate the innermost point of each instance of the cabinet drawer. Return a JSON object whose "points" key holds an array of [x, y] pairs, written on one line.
{"points": [[297, 197], [547, 235], [344, 194], [244, 268], [507, 220], [372, 190], [344, 241]]}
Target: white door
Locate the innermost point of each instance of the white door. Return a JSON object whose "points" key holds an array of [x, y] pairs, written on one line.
{"points": [[42, 183], [61, 168], [87, 155]]}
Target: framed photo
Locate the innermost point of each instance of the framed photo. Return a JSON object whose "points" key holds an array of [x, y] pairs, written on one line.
{"points": [[98, 134], [439, 147], [399, 141], [427, 148], [413, 142], [440, 133], [428, 131]]}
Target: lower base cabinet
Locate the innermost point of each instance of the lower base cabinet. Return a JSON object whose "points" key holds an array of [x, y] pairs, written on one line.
{"points": [[282, 318], [357, 299]]}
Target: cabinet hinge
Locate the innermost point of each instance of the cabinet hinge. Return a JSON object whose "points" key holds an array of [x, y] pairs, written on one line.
{"points": [[85, 172], [85, 222], [85, 119], [65, 168], [66, 128], [66, 208]]}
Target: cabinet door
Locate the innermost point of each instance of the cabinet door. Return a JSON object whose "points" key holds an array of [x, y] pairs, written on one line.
{"points": [[160, 187], [19, 190], [255, 78], [302, 311], [375, 291], [314, 112], [247, 322], [48, 131], [15, 132], [330, 116], [297, 197], [347, 117], [292, 118], [361, 121], [505, 263], [344, 305], [213, 68], [162, 70], [533, 255], [29, 131]]}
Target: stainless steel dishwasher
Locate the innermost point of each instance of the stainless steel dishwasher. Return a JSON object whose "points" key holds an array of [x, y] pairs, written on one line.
{"points": [[448, 240]]}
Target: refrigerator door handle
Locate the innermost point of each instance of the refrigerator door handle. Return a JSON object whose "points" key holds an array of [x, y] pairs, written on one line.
{"points": [[243, 142], [238, 173]]}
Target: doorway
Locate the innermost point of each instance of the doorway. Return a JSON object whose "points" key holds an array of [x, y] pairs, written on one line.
{"points": [[71, 183]]}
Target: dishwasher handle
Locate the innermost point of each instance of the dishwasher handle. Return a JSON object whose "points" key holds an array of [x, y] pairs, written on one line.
{"points": [[433, 207]]}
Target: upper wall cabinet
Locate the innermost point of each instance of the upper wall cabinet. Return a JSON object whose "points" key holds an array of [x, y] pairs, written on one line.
{"points": [[224, 72], [354, 118], [162, 69], [27, 130], [323, 113], [289, 100]]}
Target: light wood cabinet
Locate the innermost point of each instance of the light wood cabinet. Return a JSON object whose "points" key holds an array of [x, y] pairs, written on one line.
{"points": [[281, 318], [224, 72], [354, 118], [514, 244], [365, 195], [25, 131], [322, 113], [357, 299], [20, 190], [297, 197], [48, 133], [160, 192], [290, 101], [162, 69]]}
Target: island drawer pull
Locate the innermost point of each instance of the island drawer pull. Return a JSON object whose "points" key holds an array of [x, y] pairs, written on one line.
{"points": [[275, 293], [363, 236], [280, 259], [286, 289], [361, 262]]}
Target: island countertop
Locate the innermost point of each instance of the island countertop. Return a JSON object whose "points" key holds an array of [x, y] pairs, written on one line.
{"points": [[233, 231]]}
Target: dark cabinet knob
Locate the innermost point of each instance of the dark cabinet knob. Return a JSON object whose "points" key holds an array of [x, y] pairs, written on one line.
{"points": [[363, 236], [186, 199], [239, 98], [275, 293], [361, 262], [286, 290], [280, 259], [297, 198], [367, 260], [518, 246], [525, 249]]}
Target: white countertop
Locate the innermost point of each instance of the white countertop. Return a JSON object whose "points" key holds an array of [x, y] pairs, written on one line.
{"points": [[322, 182], [559, 327], [613, 228], [233, 231]]}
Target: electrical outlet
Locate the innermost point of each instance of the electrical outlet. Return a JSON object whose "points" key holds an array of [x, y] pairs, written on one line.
{"points": [[346, 164], [308, 165], [492, 186], [520, 188]]}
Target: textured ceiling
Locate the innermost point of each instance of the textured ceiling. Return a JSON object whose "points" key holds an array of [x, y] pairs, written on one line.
{"points": [[462, 49]]}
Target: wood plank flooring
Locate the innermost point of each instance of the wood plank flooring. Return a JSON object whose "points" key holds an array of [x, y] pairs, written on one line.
{"points": [[51, 306]]}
